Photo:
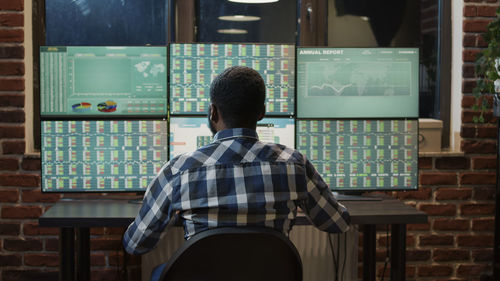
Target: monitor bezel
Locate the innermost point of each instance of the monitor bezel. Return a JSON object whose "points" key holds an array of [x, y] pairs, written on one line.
{"points": [[93, 191], [358, 191]]}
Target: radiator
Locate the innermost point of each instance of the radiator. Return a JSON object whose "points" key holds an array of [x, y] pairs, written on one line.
{"points": [[313, 245]]}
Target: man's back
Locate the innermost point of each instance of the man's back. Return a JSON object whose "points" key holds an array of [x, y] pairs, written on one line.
{"points": [[235, 181]]}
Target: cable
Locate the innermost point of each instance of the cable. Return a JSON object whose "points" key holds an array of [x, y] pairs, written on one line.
{"points": [[335, 264], [387, 251], [345, 254]]}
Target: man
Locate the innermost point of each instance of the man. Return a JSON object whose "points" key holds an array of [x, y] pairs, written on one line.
{"points": [[236, 180]]}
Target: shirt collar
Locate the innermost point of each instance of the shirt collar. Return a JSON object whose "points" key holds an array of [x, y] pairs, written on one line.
{"points": [[235, 133]]}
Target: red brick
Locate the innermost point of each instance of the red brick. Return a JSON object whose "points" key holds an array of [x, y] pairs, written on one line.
{"points": [[103, 244], [483, 225], [10, 260], [472, 270], [36, 195], [452, 163], [418, 255], [11, 84], [434, 270], [115, 230], [16, 52], [477, 209], [12, 100], [425, 163], [468, 71], [467, 86], [482, 255], [436, 240], [13, 147], [423, 193], [12, 229], [9, 195], [418, 226], [28, 275], [469, 55], [481, 43], [52, 245], [15, 131], [97, 260], [468, 101], [449, 193], [470, 11], [97, 231], [475, 25], [41, 259], [13, 5], [21, 212], [478, 147], [487, 132], [105, 274], [450, 255], [484, 193], [31, 164], [438, 178], [469, 40], [486, 11], [474, 240], [12, 116], [469, 115], [438, 209], [22, 245], [468, 131], [9, 164], [12, 20], [12, 35], [21, 180], [11, 68], [478, 178], [484, 162], [451, 224], [32, 229]]}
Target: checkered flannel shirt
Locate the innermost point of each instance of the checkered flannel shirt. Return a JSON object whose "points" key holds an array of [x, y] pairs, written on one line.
{"points": [[234, 181]]}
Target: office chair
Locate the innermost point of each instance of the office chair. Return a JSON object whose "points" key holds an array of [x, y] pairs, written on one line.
{"points": [[234, 254]]}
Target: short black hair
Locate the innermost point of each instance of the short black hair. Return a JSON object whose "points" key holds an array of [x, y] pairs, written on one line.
{"points": [[239, 94]]}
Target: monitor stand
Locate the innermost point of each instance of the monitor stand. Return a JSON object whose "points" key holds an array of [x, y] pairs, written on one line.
{"points": [[355, 197]]}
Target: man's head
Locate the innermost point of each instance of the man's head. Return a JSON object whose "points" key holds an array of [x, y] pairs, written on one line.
{"points": [[237, 98]]}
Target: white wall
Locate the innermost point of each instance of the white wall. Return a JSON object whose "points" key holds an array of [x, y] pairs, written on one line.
{"points": [[456, 73]]}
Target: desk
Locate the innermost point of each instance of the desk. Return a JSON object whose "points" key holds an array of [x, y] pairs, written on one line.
{"points": [[76, 217]]}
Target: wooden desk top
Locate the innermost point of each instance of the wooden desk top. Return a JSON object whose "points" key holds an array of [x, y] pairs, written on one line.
{"points": [[116, 213]]}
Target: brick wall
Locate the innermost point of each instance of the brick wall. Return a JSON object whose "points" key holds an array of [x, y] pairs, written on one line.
{"points": [[29, 252], [456, 191]]}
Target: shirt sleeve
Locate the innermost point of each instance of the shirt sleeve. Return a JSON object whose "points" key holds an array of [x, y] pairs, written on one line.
{"points": [[143, 234], [321, 207]]}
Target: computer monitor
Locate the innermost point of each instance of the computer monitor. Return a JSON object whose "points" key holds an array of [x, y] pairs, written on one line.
{"points": [[194, 66], [189, 133], [362, 154], [357, 82], [102, 156], [103, 82]]}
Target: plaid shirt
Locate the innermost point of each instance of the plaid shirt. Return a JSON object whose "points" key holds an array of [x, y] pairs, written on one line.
{"points": [[234, 181]]}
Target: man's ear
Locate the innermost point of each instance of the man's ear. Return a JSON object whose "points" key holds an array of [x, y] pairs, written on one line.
{"points": [[214, 113], [261, 115]]}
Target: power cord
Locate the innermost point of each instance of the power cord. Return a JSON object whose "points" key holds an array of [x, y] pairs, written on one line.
{"points": [[335, 260], [387, 257]]}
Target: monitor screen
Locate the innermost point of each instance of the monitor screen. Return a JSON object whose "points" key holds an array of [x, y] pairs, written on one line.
{"points": [[357, 82], [194, 66], [362, 155], [103, 81], [102, 156], [189, 133]]}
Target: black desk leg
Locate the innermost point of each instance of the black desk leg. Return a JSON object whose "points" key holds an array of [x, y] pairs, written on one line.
{"points": [[369, 254], [66, 254], [83, 251], [398, 252]]}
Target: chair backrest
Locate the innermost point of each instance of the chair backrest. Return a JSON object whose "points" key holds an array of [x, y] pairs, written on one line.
{"points": [[235, 254]]}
